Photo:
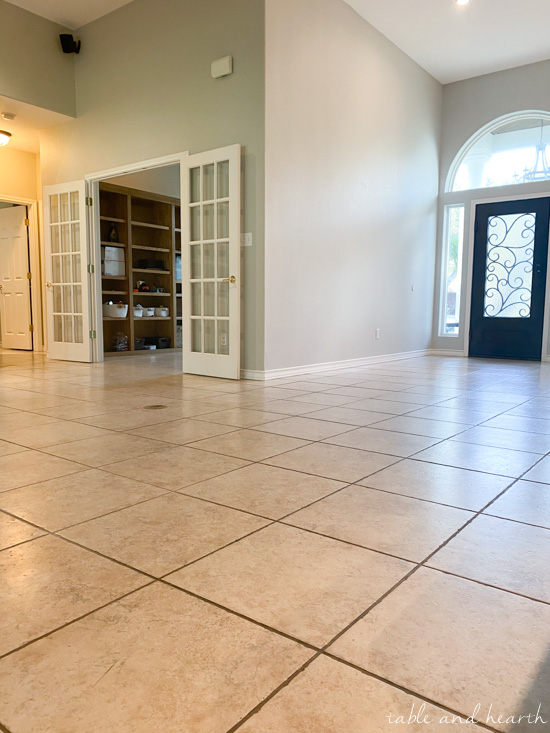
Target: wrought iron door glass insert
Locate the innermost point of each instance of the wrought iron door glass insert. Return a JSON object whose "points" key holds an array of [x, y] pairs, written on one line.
{"points": [[509, 270]]}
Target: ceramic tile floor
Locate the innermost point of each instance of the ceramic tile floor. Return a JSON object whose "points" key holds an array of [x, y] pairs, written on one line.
{"points": [[319, 554]]}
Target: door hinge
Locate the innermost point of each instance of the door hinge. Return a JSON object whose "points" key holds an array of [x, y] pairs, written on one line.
{"points": [[93, 334], [27, 223], [31, 328], [29, 275], [89, 201], [91, 269]]}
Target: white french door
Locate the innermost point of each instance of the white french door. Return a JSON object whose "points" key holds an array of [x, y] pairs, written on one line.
{"points": [[67, 278], [211, 262], [15, 284]]}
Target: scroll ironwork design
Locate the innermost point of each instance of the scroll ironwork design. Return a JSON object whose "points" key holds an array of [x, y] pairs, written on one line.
{"points": [[509, 269]]}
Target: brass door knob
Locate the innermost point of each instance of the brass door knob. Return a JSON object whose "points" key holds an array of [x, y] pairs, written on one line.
{"points": [[49, 285], [231, 280]]}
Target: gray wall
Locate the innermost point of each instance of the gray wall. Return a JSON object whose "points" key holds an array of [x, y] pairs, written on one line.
{"points": [[144, 90], [467, 106], [33, 67], [352, 133]]}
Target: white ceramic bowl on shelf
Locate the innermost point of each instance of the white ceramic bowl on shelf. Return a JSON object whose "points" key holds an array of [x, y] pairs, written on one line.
{"points": [[115, 310]]}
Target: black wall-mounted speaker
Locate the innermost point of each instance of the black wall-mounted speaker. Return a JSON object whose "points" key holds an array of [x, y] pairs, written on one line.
{"points": [[68, 44]]}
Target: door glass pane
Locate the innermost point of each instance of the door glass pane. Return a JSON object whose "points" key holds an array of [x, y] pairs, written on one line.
{"points": [[57, 299], [67, 299], [223, 259], [55, 239], [64, 214], [509, 268], [56, 269], [195, 185], [74, 206], [223, 300], [208, 222], [452, 272], [208, 182], [58, 328], [68, 329], [77, 298], [54, 209], [208, 262], [223, 220], [209, 299], [66, 269], [196, 299], [65, 238], [75, 237], [195, 215], [210, 337], [76, 270], [78, 332], [223, 179], [223, 338], [196, 344], [195, 262]]}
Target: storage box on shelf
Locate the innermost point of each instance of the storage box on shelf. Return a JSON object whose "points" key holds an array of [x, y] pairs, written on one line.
{"points": [[140, 268]]}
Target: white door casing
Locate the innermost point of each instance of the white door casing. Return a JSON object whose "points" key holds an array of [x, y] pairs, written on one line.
{"points": [[15, 285], [67, 279], [211, 266]]}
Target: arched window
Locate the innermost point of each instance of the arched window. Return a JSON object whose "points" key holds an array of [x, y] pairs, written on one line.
{"points": [[514, 149]]}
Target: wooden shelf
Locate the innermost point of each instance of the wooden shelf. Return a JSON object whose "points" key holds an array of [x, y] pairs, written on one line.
{"points": [[114, 244], [112, 218], [114, 292], [158, 295], [144, 319], [108, 318], [114, 277], [150, 226], [152, 272], [150, 249]]}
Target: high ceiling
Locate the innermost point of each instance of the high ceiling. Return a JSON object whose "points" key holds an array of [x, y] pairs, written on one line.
{"points": [[70, 13], [449, 41], [457, 42], [29, 120]]}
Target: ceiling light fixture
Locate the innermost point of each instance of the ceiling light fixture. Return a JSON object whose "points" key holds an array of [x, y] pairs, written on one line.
{"points": [[4, 137], [462, 2]]}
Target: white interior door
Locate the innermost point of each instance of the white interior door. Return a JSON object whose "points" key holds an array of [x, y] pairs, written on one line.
{"points": [[211, 262], [67, 278], [15, 285]]}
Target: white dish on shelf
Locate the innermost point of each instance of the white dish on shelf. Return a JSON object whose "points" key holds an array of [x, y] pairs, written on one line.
{"points": [[115, 310]]}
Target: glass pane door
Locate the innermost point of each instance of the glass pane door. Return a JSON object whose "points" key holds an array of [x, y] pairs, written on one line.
{"points": [[211, 238], [66, 272]]}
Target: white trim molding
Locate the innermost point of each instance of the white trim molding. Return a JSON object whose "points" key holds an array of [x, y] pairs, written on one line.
{"points": [[265, 376]]}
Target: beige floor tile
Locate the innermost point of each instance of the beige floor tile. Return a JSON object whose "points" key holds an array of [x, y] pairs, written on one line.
{"points": [[540, 472], [387, 407], [17, 420], [517, 422], [332, 461], [303, 427], [48, 582], [479, 458], [452, 640], [7, 449], [142, 416], [57, 433], [176, 468], [443, 484], [251, 445], [76, 411], [307, 586], [241, 417], [322, 398], [502, 553], [383, 441], [29, 467], [285, 407], [400, 526], [79, 497], [13, 531], [330, 697], [448, 414], [158, 660], [106, 449], [183, 431], [358, 418], [421, 426], [511, 439], [163, 534], [525, 501], [265, 490]]}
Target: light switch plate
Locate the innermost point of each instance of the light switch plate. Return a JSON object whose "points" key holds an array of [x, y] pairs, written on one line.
{"points": [[246, 239]]}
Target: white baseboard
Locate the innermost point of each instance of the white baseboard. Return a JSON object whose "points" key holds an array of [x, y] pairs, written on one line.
{"points": [[447, 352], [331, 365]]}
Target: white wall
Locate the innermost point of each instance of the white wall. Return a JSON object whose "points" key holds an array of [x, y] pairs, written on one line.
{"points": [[144, 90], [33, 68], [164, 181], [18, 174], [352, 132], [467, 106]]}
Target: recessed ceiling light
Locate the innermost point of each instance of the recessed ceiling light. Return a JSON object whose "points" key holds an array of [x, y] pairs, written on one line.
{"points": [[462, 2], [8, 116], [4, 137]]}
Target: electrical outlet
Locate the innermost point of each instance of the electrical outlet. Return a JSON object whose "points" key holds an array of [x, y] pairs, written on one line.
{"points": [[377, 333], [223, 339]]}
